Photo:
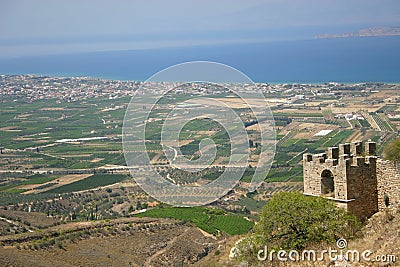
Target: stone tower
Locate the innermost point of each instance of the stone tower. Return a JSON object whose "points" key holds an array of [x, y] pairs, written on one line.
{"points": [[346, 175]]}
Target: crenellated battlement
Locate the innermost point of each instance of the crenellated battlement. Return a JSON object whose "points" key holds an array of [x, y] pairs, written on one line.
{"points": [[354, 177], [345, 174], [354, 154]]}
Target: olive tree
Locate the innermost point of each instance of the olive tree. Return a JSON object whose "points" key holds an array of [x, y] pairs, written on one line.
{"points": [[291, 220]]}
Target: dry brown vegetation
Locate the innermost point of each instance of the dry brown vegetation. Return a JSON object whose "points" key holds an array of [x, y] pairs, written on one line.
{"points": [[120, 242]]}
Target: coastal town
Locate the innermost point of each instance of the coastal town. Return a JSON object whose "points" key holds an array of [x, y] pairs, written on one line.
{"points": [[62, 158]]}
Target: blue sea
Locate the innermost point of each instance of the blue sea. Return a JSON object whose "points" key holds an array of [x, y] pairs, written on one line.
{"points": [[346, 60]]}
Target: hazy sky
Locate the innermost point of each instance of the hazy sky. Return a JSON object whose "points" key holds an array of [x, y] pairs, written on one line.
{"points": [[52, 27]]}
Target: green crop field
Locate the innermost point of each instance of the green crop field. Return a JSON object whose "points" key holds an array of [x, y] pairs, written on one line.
{"points": [[38, 179], [209, 220], [31, 133], [91, 182], [33, 179]]}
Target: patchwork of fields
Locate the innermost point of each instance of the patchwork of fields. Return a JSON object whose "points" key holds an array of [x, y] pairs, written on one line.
{"points": [[64, 158]]}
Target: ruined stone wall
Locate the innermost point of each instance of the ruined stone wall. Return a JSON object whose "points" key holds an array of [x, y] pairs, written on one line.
{"points": [[361, 181], [313, 166], [362, 187], [353, 168], [388, 183]]}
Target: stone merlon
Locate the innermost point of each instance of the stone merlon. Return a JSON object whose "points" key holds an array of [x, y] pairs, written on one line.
{"points": [[354, 177]]}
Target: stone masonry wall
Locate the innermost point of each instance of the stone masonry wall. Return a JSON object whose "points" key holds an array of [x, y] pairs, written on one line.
{"points": [[362, 187], [388, 183], [353, 168]]}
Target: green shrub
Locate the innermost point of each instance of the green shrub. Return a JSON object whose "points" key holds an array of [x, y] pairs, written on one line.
{"points": [[392, 150], [291, 220]]}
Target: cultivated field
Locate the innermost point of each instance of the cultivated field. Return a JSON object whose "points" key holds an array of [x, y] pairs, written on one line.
{"points": [[64, 184]]}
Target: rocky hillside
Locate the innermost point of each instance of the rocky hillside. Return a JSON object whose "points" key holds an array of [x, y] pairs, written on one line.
{"points": [[380, 235], [121, 242], [166, 242]]}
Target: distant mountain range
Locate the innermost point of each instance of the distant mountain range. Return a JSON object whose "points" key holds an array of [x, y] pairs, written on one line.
{"points": [[374, 31]]}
